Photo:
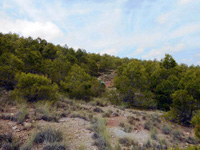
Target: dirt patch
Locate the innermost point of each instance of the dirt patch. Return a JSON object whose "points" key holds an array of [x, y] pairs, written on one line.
{"points": [[76, 132], [115, 121]]}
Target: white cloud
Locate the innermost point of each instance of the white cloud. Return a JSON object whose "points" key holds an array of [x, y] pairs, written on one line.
{"points": [[159, 53], [163, 18], [183, 2], [109, 51], [136, 52], [185, 30], [186, 61], [46, 30]]}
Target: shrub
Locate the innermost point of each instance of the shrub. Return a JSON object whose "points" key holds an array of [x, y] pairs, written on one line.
{"points": [[182, 108], [196, 122], [48, 135], [98, 110], [147, 125], [166, 129], [154, 134], [97, 88], [132, 120], [188, 148], [99, 102], [34, 87], [191, 140], [125, 141], [108, 113], [118, 147], [122, 124], [22, 114], [77, 84], [102, 138], [7, 142], [79, 115], [129, 142], [177, 135], [114, 97], [6, 138], [55, 146], [46, 112], [127, 129], [9, 66], [148, 144]]}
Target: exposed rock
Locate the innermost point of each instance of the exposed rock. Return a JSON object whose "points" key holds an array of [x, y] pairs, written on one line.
{"points": [[14, 128]]}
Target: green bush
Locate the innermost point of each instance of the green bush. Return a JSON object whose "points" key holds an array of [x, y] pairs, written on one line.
{"points": [[34, 87], [182, 108], [166, 129], [196, 122], [9, 65], [77, 84]]}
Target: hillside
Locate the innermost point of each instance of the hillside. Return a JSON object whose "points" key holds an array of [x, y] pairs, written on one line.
{"points": [[56, 97], [125, 128]]}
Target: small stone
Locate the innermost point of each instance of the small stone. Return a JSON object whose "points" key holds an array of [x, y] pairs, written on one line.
{"points": [[17, 130], [187, 133], [61, 120], [14, 128]]}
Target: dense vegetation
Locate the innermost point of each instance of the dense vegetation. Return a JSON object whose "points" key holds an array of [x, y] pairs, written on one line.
{"points": [[36, 70]]}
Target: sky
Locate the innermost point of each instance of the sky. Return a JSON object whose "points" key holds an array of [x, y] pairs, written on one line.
{"points": [[142, 29]]}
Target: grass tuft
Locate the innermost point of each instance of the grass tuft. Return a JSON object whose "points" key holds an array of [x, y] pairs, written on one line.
{"points": [[166, 129], [48, 135]]}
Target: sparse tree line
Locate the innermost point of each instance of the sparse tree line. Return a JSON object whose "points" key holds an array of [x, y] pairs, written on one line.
{"points": [[37, 70]]}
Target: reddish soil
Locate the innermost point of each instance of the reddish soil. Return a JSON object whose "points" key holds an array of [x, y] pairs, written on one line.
{"points": [[115, 121]]}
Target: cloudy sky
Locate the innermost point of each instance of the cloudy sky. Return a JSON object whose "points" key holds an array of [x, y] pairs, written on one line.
{"points": [[144, 29]]}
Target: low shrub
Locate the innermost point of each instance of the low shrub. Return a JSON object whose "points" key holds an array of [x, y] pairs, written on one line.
{"points": [[7, 142], [101, 136], [154, 134], [128, 142], [125, 141], [98, 110], [55, 146], [121, 124], [22, 114], [99, 102], [127, 128], [47, 112], [132, 120], [166, 129], [108, 113], [48, 135], [191, 140], [79, 115], [177, 135], [34, 87], [148, 144], [147, 125]]}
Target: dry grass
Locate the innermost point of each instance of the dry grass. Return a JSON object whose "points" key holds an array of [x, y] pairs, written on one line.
{"points": [[101, 136]]}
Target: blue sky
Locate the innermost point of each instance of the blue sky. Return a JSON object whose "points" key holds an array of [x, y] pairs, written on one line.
{"points": [[143, 29]]}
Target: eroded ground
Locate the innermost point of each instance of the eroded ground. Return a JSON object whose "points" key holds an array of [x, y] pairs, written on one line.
{"points": [[126, 127]]}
